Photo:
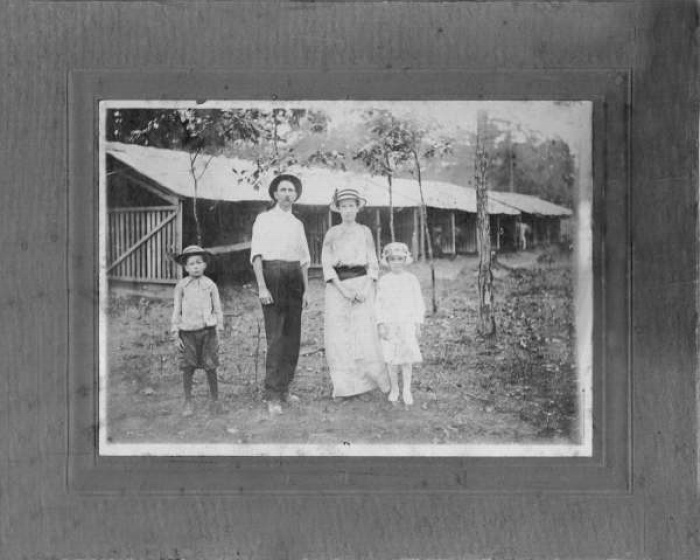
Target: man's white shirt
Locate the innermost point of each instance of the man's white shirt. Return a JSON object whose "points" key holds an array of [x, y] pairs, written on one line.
{"points": [[278, 235]]}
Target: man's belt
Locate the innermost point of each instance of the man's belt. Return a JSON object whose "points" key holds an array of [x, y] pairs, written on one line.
{"points": [[345, 272]]}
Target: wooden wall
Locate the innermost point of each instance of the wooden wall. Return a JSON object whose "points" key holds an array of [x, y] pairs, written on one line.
{"points": [[41, 42]]}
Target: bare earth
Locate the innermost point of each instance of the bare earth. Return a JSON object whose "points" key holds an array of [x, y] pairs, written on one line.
{"points": [[517, 387]]}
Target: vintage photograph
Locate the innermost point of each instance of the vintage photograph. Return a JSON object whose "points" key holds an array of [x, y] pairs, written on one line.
{"points": [[362, 278]]}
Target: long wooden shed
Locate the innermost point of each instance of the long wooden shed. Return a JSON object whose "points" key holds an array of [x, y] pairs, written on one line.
{"points": [[150, 195]]}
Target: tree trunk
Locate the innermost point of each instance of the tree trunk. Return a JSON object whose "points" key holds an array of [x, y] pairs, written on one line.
{"points": [[486, 325], [195, 185], [391, 209], [425, 231]]}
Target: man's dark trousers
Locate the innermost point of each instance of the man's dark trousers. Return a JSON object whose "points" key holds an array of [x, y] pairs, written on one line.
{"points": [[282, 325]]}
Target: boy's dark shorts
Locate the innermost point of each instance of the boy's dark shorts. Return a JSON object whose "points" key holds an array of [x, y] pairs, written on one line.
{"points": [[201, 349]]}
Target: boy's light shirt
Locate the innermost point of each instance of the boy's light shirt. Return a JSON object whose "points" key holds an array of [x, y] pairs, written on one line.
{"points": [[197, 305]]}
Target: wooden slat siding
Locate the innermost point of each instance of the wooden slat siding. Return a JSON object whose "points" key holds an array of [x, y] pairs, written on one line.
{"points": [[161, 268], [109, 242], [124, 231], [139, 254], [168, 244], [159, 265], [146, 250], [121, 224], [150, 261], [125, 243], [152, 248], [145, 255], [178, 238], [129, 263], [133, 231]]}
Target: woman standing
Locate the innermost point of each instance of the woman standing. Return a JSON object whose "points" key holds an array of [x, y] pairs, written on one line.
{"points": [[350, 269]]}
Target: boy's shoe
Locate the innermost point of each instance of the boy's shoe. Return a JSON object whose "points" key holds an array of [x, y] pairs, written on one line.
{"points": [[188, 409], [215, 407], [293, 399]]}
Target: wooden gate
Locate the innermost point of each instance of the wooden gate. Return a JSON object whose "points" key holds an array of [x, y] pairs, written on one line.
{"points": [[141, 242]]}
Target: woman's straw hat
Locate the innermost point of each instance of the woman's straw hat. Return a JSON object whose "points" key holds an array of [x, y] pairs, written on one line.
{"points": [[396, 249], [347, 193]]}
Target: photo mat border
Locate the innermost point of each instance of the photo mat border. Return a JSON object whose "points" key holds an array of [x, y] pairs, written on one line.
{"points": [[608, 467]]}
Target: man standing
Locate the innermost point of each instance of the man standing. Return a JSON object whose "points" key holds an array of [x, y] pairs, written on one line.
{"points": [[280, 256]]}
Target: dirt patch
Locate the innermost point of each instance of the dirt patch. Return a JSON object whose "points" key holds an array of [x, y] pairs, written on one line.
{"points": [[517, 387]]}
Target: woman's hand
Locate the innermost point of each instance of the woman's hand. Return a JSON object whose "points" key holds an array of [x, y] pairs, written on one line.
{"points": [[348, 293], [345, 291]]}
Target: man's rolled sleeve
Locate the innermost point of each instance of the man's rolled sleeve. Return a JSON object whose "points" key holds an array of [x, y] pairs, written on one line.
{"points": [[256, 249], [304, 255]]}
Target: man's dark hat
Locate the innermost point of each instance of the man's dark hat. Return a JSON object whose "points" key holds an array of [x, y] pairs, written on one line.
{"points": [[293, 179], [181, 259]]}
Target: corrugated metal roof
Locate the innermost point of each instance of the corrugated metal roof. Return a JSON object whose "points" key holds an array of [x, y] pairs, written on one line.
{"points": [[171, 170], [529, 204]]}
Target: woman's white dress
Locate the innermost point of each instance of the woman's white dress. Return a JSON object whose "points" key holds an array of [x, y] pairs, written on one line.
{"points": [[351, 340], [400, 307]]}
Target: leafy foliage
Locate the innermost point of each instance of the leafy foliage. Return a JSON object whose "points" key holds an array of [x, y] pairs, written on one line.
{"points": [[542, 168]]}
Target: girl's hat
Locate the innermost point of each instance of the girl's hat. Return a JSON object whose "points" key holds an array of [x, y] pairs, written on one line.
{"points": [[347, 193], [293, 179], [396, 249], [190, 251]]}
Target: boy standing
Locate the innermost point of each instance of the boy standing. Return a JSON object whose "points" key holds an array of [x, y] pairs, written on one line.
{"points": [[197, 318]]}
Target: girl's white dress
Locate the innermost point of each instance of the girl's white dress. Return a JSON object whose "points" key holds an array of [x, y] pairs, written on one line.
{"points": [[400, 307], [350, 329]]}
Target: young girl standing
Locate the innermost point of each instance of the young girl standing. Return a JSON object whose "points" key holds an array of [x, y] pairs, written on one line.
{"points": [[400, 314]]}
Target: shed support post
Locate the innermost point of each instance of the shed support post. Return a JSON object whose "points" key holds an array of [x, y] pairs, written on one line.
{"points": [[417, 234]]}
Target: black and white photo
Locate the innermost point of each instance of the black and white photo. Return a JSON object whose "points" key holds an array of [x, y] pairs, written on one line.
{"points": [[365, 278]]}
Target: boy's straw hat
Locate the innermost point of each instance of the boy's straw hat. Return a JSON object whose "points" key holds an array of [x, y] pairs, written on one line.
{"points": [[293, 179], [191, 250], [347, 193], [396, 249]]}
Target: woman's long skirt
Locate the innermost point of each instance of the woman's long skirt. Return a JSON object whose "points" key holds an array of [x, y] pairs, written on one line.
{"points": [[352, 346]]}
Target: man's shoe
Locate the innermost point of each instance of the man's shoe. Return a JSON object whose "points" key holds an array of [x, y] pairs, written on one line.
{"points": [[293, 399], [188, 409]]}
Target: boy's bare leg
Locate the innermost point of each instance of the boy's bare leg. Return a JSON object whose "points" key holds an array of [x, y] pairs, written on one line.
{"points": [[393, 382], [407, 371], [187, 375], [213, 384], [214, 405]]}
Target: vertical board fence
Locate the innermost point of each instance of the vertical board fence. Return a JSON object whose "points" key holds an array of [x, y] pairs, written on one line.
{"points": [[141, 242]]}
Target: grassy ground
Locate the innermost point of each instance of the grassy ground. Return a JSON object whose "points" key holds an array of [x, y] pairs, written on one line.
{"points": [[516, 387]]}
